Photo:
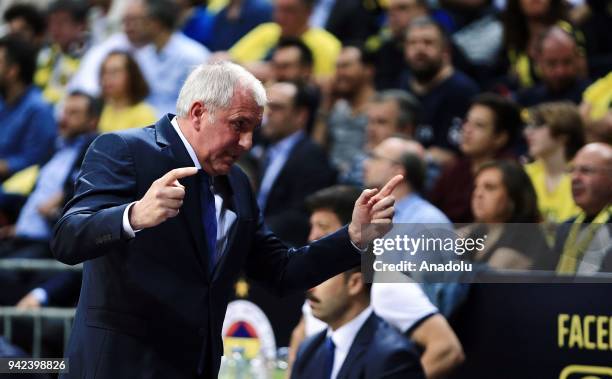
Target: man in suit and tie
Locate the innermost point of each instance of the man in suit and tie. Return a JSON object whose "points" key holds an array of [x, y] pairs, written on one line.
{"points": [[161, 256], [292, 166], [356, 343]]}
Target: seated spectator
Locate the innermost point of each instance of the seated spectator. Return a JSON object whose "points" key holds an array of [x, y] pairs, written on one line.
{"points": [[388, 46], [169, 59], [290, 20], [134, 37], [26, 21], [554, 134], [58, 62], [291, 166], [524, 21], [357, 343], [559, 63], [389, 113], [489, 130], [596, 110], [342, 120], [403, 305], [28, 127], [443, 91], [124, 90], [584, 243], [235, 20], [61, 290], [30, 236], [505, 209], [292, 61]]}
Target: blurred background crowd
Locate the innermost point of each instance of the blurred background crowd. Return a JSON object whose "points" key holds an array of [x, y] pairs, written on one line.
{"points": [[495, 111]]}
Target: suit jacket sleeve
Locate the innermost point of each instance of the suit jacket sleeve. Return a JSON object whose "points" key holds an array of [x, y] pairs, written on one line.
{"points": [[92, 221]]}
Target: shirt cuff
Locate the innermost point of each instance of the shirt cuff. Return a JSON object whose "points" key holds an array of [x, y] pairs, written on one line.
{"points": [[40, 295], [364, 250], [127, 228]]}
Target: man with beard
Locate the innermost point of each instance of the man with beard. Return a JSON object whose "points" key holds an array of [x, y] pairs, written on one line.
{"points": [[444, 92], [28, 128], [342, 118], [560, 64]]}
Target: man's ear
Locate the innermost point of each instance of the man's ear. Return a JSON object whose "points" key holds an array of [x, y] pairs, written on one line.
{"points": [[196, 112], [355, 283]]}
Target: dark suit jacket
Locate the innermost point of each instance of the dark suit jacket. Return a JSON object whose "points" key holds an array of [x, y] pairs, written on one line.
{"points": [[149, 306], [378, 351], [306, 171]]}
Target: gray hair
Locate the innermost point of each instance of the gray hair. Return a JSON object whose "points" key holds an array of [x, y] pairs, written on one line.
{"points": [[215, 84]]}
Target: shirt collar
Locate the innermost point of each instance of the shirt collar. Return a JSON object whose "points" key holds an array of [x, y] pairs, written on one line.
{"points": [[406, 201], [190, 150], [344, 336], [287, 143]]}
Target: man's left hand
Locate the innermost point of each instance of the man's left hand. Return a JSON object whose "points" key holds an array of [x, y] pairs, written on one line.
{"points": [[373, 214]]}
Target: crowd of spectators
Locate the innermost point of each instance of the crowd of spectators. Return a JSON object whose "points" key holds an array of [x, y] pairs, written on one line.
{"points": [[495, 112]]}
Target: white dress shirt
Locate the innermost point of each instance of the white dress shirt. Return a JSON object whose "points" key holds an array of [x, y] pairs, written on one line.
{"points": [[225, 216], [343, 338]]}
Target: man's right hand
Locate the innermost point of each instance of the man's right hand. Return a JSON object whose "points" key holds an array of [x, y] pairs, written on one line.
{"points": [[162, 201]]}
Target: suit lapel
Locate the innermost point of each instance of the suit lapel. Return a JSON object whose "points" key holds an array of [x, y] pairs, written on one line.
{"points": [[359, 347], [191, 210]]}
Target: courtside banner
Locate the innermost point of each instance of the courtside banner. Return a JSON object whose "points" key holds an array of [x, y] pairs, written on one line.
{"points": [[544, 330]]}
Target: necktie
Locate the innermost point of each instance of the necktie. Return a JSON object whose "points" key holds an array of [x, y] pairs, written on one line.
{"points": [[209, 218], [330, 349]]}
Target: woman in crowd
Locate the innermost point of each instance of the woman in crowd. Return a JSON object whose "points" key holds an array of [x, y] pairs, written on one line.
{"points": [[505, 210], [123, 90], [554, 134], [491, 126]]}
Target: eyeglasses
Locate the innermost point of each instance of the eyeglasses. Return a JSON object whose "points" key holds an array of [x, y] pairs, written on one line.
{"points": [[375, 157], [587, 170]]}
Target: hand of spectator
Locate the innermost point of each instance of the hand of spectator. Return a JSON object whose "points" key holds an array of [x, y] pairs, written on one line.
{"points": [[373, 214], [162, 201], [49, 209], [28, 302], [7, 232]]}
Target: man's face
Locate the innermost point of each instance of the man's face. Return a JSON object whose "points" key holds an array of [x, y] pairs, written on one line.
{"points": [[558, 63], [351, 74], [322, 223], [591, 176], [292, 16], [19, 26], [478, 137], [382, 122], [382, 164], [401, 12], [221, 141], [425, 52], [75, 117], [287, 67], [280, 112], [136, 23], [64, 30]]}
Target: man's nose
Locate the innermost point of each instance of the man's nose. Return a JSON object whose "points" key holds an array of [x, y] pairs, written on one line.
{"points": [[246, 140]]}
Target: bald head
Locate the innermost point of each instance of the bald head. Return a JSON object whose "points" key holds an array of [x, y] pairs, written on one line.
{"points": [[558, 59], [395, 156], [591, 176]]}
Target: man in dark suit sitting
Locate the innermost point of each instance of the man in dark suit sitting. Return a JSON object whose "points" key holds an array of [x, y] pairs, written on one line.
{"points": [[291, 166], [161, 256], [357, 343]]}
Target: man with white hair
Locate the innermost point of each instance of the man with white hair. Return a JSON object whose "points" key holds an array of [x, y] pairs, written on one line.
{"points": [[161, 256]]}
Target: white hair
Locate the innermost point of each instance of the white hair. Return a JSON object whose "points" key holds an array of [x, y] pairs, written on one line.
{"points": [[215, 84]]}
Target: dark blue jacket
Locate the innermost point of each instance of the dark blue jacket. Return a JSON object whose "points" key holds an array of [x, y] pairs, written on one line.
{"points": [[149, 308], [378, 351]]}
